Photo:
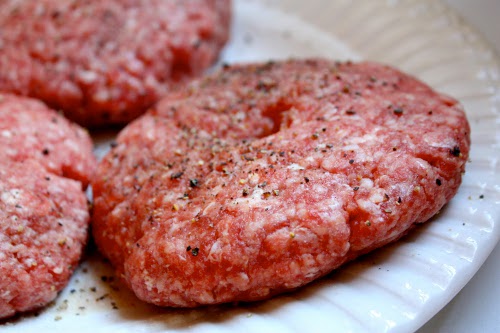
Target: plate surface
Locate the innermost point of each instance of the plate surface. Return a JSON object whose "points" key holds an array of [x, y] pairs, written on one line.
{"points": [[395, 289]]}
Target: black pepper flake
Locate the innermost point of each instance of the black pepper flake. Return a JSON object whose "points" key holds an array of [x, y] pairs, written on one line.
{"points": [[315, 136], [195, 251], [262, 185], [455, 151], [98, 299], [47, 178], [282, 153], [197, 44], [45, 151], [356, 188], [176, 175], [481, 196], [188, 248], [398, 111], [265, 86], [113, 144], [245, 192], [193, 182], [350, 112], [248, 158], [351, 161], [306, 179], [329, 145], [438, 182], [399, 200]]}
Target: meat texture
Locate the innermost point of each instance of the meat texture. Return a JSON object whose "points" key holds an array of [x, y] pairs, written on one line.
{"points": [[46, 164], [263, 177], [106, 62]]}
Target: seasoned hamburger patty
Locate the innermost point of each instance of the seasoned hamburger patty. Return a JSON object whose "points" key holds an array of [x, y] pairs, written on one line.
{"points": [[46, 164], [106, 61], [263, 177]]}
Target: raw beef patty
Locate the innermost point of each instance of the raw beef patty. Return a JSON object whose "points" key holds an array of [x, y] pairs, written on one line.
{"points": [[263, 177], [46, 163], [106, 61]]}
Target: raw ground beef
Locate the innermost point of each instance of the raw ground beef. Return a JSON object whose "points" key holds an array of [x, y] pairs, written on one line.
{"points": [[106, 62], [263, 177], [46, 164]]}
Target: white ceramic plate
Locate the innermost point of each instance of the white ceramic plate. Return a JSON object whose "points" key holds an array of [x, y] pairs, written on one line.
{"points": [[395, 289]]}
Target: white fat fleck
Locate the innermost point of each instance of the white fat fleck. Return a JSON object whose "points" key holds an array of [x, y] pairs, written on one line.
{"points": [[150, 134], [58, 270], [205, 297], [117, 211], [171, 197], [6, 133], [366, 183], [253, 179], [11, 197], [310, 159], [257, 194], [291, 211], [351, 147], [148, 281], [240, 116], [102, 95], [329, 110], [48, 261], [209, 207], [295, 166], [30, 262], [215, 251], [376, 196], [87, 76], [255, 200], [367, 205], [71, 89], [363, 139], [319, 189]]}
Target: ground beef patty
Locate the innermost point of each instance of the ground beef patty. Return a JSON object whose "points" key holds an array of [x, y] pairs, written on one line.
{"points": [[106, 61], [46, 164], [264, 177]]}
